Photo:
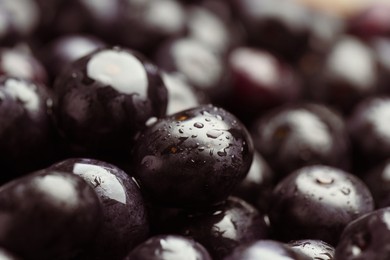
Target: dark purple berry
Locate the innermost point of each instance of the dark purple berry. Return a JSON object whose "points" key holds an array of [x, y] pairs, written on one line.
{"points": [[105, 98], [198, 63], [125, 223], [366, 238], [294, 136], [261, 81], [369, 131], [222, 228], [317, 202], [27, 133], [192, 158], [48, 215]]}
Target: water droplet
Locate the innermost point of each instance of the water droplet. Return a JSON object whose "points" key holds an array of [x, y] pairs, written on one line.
{"points": [[181, 131], [207, 119], [324, 179], [201, 148], [194, 136], [346, 191], [219, 117], [182, 139], [214, 133], [198, 125]]}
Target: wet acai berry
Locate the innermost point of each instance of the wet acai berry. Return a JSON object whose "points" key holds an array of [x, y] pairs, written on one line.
{"points": [[48, 215], [223, 228], [315, 249], [193, 158], [105, 98], [366, 238], [317, 202], [125, 222], [168, 247], [293, 136]]}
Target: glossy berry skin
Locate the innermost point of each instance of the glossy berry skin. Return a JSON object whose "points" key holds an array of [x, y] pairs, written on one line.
{"points": [[283, 27], [317, 202], [19, 20], [5, 255], [22, 64], [48, 208], [193, 158], [265, 249], [377, 180], [27, 133], [224, 227], [315, 249], [181, 95], [125, 222], [345, 75], [167, 247], [373, 21], [105, 98], [198, 63], [368, 130], [208, 23], [63, 51], [297, 135], [261, 81], [366, 238]]}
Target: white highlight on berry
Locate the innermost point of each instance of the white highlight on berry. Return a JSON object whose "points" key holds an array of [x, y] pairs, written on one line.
{"points": [[120, 70], [60, 190], [13, 61], [103, 9], [24, 21], [206, 27], [197, 62], [379, 115], [166, 15], [24, 92], [179, 92], [104, 182], [352, 60], [176, 249], [258, 66], [288, 11]]}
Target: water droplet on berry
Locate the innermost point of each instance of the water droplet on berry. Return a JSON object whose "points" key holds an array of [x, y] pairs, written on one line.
{"points": [[198, 125], [214, 133]]}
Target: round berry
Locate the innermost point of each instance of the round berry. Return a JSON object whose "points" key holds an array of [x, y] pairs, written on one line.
{"points": [[105, 98], [192, 158]]}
